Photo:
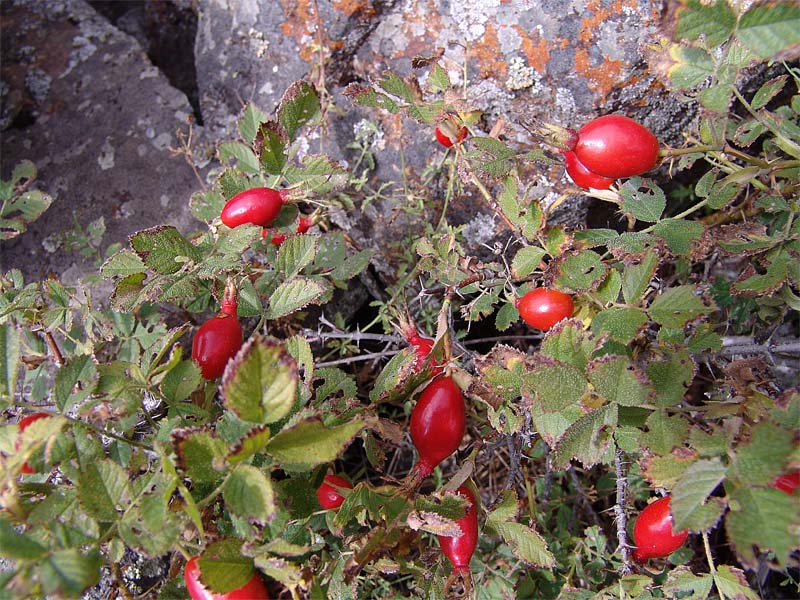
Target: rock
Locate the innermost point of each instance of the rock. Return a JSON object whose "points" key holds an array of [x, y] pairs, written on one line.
{"points": [[99, 121]]}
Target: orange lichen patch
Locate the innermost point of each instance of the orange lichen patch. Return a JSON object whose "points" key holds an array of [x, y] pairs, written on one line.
{"points": [[537, 53], [364, 9], [491, 63], [591, 25], [602, 78]]}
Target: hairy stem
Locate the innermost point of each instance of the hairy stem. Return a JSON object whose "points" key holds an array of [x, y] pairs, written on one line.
{"points": [[620, 517]]}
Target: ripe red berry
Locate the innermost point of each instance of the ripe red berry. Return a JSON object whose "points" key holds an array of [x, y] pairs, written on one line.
{"points": [[459, 550], [438, 423], [653, 533], [788, 482], [259, 206], [23, 424], [616, 146], [277, 239], [448, 134], [252, 590], [422, 347], [218, 339], [582, 176], [542, 308], [328, 496], [304, 224]]}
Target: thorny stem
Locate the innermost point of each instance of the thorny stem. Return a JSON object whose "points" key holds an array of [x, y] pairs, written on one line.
{"points": [[51, 343], [709, 556], [359, 358], [620, 518]]}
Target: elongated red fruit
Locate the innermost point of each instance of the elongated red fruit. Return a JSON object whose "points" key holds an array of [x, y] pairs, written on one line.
{"points": [[459, 550], [542, 308], [218, 339], [23, 424], [252, 590], [582, 176], [788, 482], [616, 146], [653, 533], [259, 206], [327, 495], [438, 423]]}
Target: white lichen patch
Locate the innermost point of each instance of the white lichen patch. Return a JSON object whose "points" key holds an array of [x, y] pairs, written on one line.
{"points": [[480, 230], [369, 134], [520, 75], [38, 84], [106, 158], [162, 141]]}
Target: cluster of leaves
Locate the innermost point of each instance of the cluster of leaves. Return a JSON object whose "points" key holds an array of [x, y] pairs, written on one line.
{"points": [[141, 453]]}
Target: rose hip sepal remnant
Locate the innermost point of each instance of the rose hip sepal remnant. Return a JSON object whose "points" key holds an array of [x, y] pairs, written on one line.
{"points": [[218, 339], [653, 533], [252, 590], [327, 495], [438, 424], [258, 206], [615, 146], [23, 424], [542, 308]]}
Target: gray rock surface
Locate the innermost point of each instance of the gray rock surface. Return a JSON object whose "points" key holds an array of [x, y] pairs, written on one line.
{"points": [[98, 120]]}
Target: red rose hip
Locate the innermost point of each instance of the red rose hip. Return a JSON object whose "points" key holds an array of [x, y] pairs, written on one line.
{"points": [[218, 339], [542, 308], [449, 134], [615, 146], [23, 424], [438, 423], [788, 482], [259, 206], [459, 550], [653, 533], [582, 176], [328, 496], [252, 590]]}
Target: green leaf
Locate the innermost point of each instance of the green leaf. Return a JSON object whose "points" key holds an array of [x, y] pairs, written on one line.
{"points": [[224, 567], [103, 490], [243, 156], [300, 350], [611, 286], [396, 86], [438, 79], [317, 174], [732, 583], [767, 30], [19, 211], [765, 518], [252, 443], [271, 145], [569, 343], [677, 306], [207, 206], [664, 433], [123, 263], [622, 323], [310, 443], [527, 260], [508, 202], [352, 265], [642, 199], [768, 91], [294, 294], [398, 378], [260, 384], [690, 493], [679, 234], [556, 386], [160, 248], [761, 458], [199, 451], [671, 377], [299, 105], [722, 192], [9, 359], [69, 572], [296, 253], [181, 381], [366, 96], [525, 543], [506, 316], [588, 440], [692, 66], [18, 546], [75, 381], [248, 494], [581, 272], [716, 21], [250, 121], [617, 380], [682, 583]]}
